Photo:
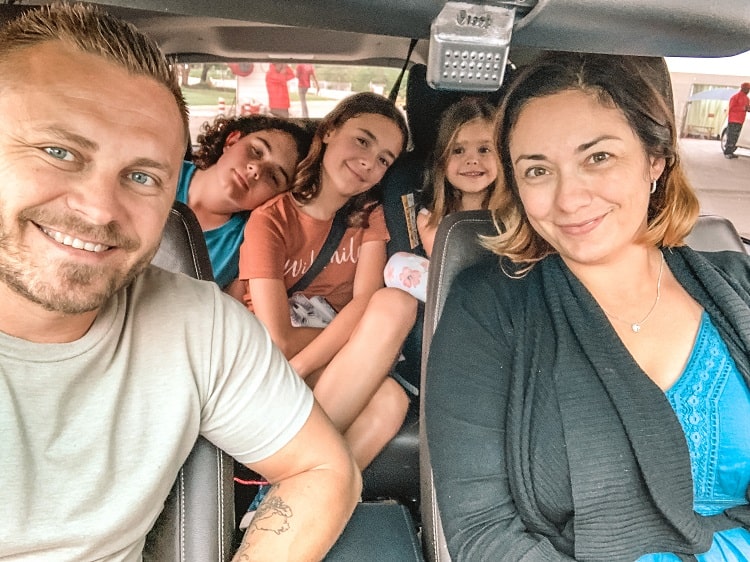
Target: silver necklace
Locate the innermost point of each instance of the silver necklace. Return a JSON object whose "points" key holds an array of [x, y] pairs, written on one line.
{"points": [[636, 326]]}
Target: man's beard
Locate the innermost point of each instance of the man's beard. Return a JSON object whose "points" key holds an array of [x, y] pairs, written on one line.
{"points": [[75, 288]]}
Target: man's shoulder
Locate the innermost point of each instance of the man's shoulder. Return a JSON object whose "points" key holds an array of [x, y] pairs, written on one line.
{"points": [[172, 300], [158, 284], [739, 97]]}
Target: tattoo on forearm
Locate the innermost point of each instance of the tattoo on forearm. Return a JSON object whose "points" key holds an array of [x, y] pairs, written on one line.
{"points": [[273, 514]]}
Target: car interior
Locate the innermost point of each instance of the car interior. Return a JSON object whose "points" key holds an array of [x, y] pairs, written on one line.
{"points": [[399, 518]]}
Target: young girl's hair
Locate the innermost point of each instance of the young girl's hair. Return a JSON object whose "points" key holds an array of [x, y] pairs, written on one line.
{"points": [[214, 135], [306, 185], [442, 196]]}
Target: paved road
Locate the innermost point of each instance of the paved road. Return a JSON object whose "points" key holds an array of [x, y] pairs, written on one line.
{"points": [[723, 185]]}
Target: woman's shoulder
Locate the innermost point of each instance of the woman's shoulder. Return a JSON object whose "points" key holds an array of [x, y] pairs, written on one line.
{"points": [[276, 204], [730, 262], [493, 275]]}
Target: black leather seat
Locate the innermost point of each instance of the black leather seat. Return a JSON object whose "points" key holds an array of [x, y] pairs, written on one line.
{"points": [[395, 472], [197, 523], [456, 248]]}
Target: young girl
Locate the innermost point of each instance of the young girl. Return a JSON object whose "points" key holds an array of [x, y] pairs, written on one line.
{"points": [[240, 164], [462, 176], [346, 362]]}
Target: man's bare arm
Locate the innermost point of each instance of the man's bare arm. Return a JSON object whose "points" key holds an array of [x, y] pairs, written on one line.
{"points": [[316, 485]]}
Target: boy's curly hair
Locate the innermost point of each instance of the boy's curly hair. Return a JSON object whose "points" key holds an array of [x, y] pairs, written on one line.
{"points": [[213, 136]]}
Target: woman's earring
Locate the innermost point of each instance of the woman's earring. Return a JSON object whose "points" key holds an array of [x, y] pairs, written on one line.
{"points": [[653, 187]]}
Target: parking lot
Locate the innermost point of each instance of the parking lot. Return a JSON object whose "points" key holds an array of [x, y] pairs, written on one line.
{"points": [[723, 185]]}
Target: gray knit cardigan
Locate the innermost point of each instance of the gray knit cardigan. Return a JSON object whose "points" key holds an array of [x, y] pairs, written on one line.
{"points": [[547, 440]]}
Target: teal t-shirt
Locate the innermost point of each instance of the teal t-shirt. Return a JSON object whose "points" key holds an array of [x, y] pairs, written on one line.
{"points": [[223, 242]]}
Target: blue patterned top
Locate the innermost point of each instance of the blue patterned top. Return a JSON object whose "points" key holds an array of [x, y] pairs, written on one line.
{"points": [[712, 402]]}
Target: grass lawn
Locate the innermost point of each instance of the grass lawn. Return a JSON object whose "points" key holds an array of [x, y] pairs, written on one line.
{"points": [[210, 96], [207, 96]]}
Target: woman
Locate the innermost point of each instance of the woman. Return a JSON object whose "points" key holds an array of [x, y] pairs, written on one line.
{"points": [[346, 361], [240, 164], [604, 405]]}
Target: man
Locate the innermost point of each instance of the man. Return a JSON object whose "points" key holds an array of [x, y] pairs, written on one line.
{"points": [[305, 74], [110, 367], [277, 77], [739, 105]]}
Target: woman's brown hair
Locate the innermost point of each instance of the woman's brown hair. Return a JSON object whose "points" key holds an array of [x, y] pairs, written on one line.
{"points": [[640, 88]]}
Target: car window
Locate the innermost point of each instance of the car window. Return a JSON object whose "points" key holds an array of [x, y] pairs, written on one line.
{"points": [[702, 88], [211, 89]]}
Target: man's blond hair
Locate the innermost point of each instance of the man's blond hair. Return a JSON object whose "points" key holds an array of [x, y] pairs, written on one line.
{"points": [[89, 29]]}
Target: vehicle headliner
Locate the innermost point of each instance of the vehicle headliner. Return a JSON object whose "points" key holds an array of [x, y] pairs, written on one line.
{"points": [[379, 31]]}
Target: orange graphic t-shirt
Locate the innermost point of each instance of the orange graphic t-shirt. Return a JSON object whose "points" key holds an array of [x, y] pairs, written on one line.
{"points": [[281, 242]]}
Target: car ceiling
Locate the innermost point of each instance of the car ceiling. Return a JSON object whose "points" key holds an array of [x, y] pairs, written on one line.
{"points": [[379, 31]]}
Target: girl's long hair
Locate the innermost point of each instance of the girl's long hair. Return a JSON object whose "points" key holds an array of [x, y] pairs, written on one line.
{"points": [[440, 195], [306, 185]]}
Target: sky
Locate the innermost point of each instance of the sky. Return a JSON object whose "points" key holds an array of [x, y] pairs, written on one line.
{"points": [[738, 65]]}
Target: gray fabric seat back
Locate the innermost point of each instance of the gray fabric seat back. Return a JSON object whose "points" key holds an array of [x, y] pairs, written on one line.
{"points": [[456, 248], [197, 523], [713, 233]]}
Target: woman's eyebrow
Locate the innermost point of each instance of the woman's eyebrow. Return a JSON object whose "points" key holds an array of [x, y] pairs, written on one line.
{"points": [[580, 148], [529, 157], [585, 146]]}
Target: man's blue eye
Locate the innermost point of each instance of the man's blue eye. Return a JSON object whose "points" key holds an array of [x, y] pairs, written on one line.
{"points": [[57, 152], [140, 177]]}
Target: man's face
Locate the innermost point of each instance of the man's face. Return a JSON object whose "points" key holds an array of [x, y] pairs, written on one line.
{"points": [[89, 160]]}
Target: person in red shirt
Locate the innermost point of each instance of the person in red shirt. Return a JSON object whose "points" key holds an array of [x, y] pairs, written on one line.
{"points": [[277, 76], [739, 105], [305, 74]]}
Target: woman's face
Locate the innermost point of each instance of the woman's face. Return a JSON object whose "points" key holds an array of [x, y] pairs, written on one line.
{"points": [[359, 152], [256, 167], [471, 163], [582, 174]]}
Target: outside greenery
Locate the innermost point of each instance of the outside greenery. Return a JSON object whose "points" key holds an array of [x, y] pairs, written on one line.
{"points": [[202, 90]]}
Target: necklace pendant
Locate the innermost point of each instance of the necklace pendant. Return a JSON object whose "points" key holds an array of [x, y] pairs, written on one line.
{"points": [[636, 327]]}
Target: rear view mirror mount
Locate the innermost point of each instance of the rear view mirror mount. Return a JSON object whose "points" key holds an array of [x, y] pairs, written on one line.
{"points": [[469, 46]]}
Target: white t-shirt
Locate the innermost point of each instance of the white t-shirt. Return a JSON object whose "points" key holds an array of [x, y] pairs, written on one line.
{"points": [[93, 432]]}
